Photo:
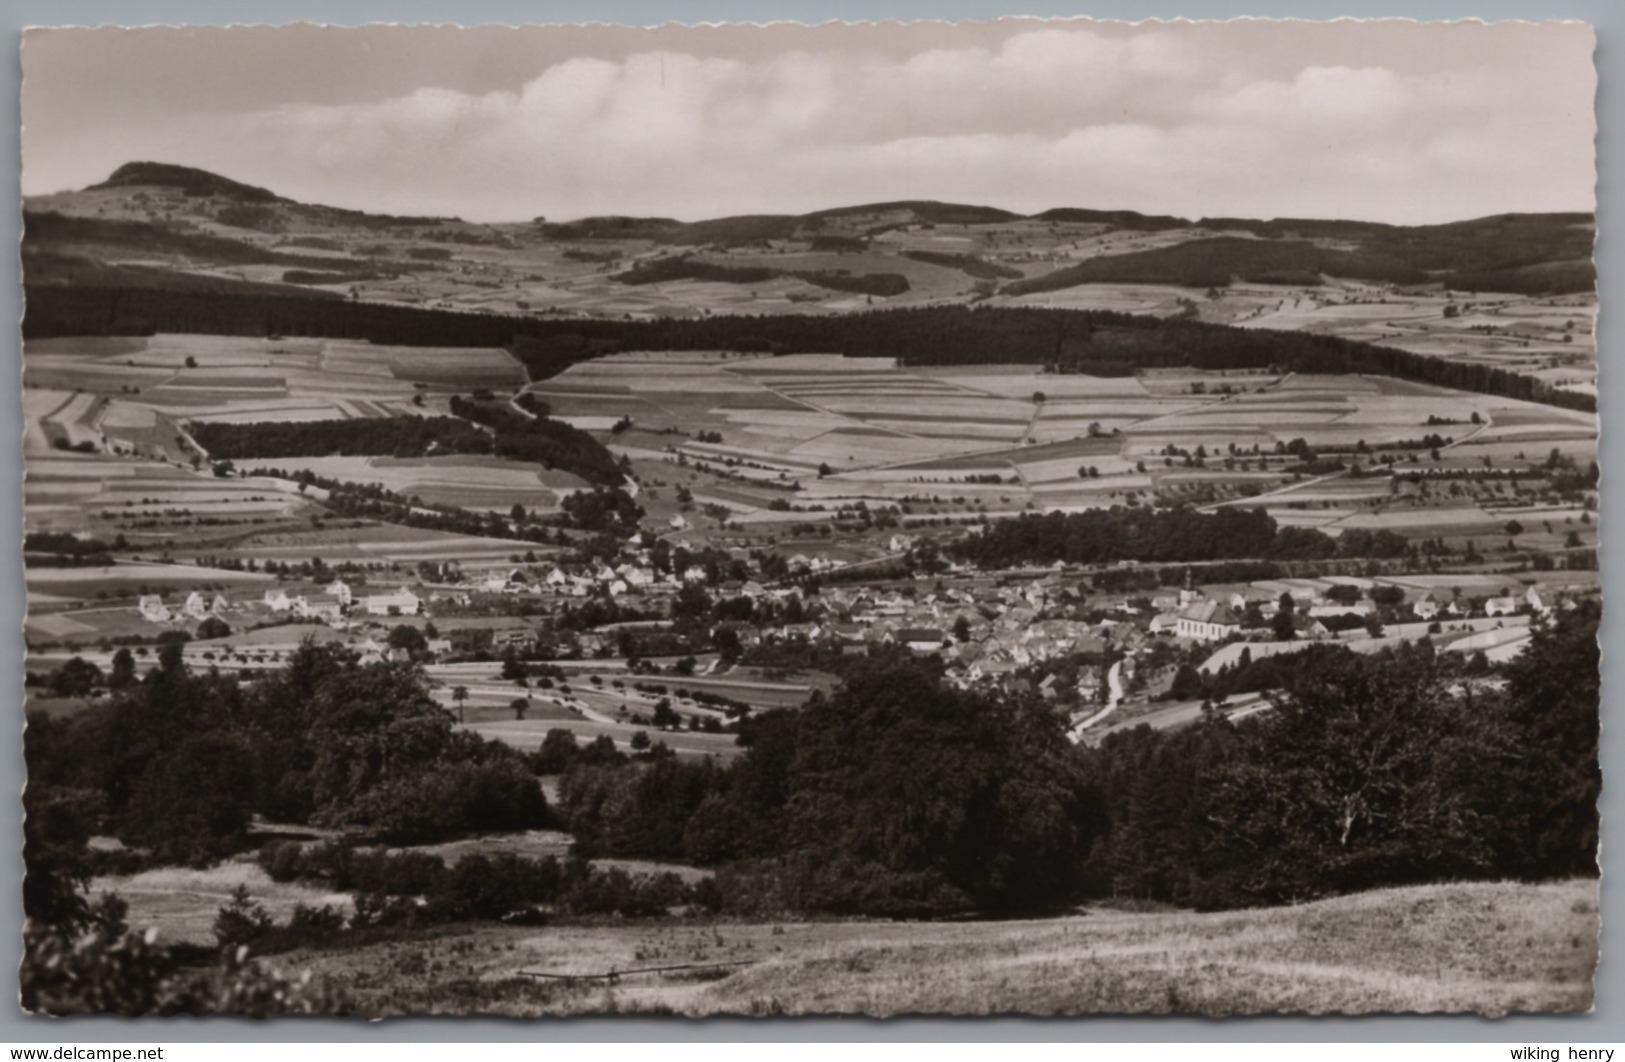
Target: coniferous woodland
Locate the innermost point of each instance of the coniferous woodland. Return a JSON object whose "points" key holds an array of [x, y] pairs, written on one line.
{"points": [[540, 440], [1098, 342], [370, 437]]}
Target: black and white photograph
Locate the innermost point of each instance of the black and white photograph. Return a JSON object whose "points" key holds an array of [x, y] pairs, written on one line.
{"points": [[1045, 517]]}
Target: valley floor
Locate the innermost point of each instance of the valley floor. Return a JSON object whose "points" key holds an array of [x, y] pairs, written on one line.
{"points": [[1489, 949]]}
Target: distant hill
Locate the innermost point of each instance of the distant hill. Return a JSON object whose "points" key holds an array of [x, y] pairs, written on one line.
{"points": [[1527, 253], [189, 180], [1216, 262], [1122, 219], [156, 216], [868, 219]]}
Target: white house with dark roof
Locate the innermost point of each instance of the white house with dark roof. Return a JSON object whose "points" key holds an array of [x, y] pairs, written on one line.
{"points": [[919, 639], [1207, 621], [402, 602], [152, 609]]}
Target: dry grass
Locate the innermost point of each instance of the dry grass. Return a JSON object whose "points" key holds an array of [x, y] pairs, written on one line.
{"points": [[1485, 948]]}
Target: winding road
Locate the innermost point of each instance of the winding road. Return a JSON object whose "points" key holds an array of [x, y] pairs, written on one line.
{"points": [[1114, 689]]}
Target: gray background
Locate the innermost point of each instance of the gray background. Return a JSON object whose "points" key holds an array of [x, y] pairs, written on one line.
{"points": [[1607, 1024]]}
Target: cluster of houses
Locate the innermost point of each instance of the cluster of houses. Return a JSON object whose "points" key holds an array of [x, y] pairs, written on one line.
{"points": [[332, 605], [616, 581], [557, 582], [151, 607], [1195, 616], [336, 601]]}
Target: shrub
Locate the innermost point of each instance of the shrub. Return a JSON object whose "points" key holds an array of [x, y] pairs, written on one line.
{"points": [[242, 921], [490, 887]]}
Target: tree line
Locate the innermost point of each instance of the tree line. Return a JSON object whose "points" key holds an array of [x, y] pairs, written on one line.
{"points": [[1142, 534], [539, 440], [542, 440], [1061, 340], [358, 437]]}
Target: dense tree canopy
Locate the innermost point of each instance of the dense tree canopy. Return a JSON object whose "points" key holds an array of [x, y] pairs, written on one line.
{"points": [[898, 795], [1094, 341], [1368, 771], [1104, 536], [178, 762]]}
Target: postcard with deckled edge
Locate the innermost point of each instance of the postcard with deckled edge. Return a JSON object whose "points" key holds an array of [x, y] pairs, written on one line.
{"points": [[1014, 517]]}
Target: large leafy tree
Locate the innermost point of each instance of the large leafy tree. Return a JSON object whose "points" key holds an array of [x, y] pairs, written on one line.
{"points": [[1366, 772], [908, 796], [1551, 780]]}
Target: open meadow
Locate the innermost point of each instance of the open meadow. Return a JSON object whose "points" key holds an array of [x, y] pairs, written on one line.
{"points": [[1490, 949]]}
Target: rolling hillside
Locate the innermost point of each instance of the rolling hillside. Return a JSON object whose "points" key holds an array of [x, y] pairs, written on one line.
{"points": [[192, 221], [1490, 949]]}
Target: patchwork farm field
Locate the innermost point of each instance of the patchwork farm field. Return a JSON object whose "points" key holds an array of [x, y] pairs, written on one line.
{"points": [[238, 380], [469, 481], [369, 543], [144, 500], [768, 441], [1002, 438]]}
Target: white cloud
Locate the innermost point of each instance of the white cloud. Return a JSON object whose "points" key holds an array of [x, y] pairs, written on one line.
{"points": [[1339, 95], [1056, 115]]}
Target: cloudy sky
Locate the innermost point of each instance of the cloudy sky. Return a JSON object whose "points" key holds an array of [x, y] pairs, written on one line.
{"points": [[1390, 121]]}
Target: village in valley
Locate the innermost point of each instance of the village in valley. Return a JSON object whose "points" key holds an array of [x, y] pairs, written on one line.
{"points": [[753, 518], [476, 615], [1107, 659]]}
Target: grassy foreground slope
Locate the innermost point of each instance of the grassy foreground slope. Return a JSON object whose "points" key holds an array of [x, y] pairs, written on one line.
{"points": [[1489, 949]]}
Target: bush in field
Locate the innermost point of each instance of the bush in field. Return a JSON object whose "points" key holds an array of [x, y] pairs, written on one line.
{"points": [[242, 921], [635, 811], [587, 891], [283, 861], [501, 794], [310, 926], [490, 887]]}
